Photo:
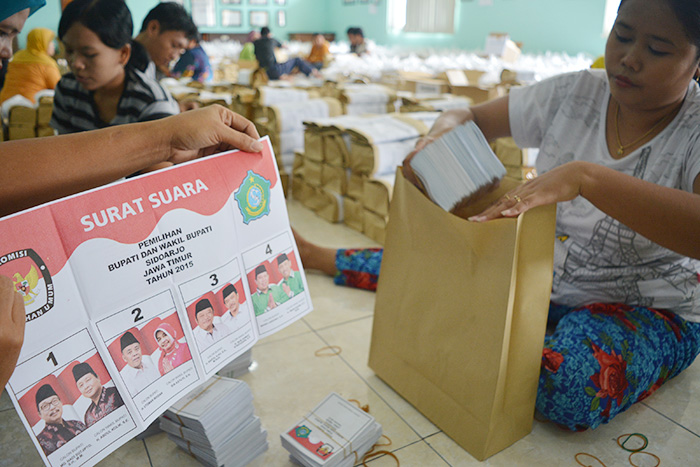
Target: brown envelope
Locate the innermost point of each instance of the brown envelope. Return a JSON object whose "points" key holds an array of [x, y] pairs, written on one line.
{"points": [[460, 316]]}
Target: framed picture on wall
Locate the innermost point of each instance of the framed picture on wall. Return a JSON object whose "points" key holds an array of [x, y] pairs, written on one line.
{"points": [[231, 2], [281, 18], [280, 2], [257, 2], [232, 18], [259, 19], [348, 2]]}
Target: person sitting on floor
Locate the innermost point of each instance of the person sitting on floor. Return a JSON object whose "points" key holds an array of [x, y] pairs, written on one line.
{"points": [[265, 53], [624, 170]]}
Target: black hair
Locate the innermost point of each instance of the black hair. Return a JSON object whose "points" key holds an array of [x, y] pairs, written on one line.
{"points": [[228, 290], [282, 258], [688, 14], [351, 30], [110, 20], [358, 32], [171, 17], [264, 31], [202, 305], [259, 270]]}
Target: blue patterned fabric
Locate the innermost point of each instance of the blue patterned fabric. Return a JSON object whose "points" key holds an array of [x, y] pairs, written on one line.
{"points": [[358, 267], [602, 358]]}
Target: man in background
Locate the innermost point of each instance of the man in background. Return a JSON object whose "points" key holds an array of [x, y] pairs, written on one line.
{"points": [[265, 53], [165, 35]]}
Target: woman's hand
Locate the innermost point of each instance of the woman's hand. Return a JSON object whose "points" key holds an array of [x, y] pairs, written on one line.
{"points": [[12, 321], [562, 183], [206, 131]]}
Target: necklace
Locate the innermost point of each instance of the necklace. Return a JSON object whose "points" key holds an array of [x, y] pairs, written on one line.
{"points": [[622, 147]]}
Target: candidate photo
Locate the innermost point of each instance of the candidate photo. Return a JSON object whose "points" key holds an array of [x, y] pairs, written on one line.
{"points": [[207, 330], [103, 399]]}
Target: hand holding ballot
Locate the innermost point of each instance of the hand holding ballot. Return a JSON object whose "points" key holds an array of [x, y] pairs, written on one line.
{"points": [[12, 328], [35, 171]]}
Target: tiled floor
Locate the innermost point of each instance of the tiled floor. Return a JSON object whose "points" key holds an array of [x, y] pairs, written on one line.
{"points": [[290, 380]]}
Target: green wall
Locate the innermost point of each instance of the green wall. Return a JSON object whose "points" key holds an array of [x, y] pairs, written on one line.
{"points": [[570, 26]]}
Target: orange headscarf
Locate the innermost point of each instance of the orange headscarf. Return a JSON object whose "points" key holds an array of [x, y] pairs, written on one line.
{"points": [[38, 41]]}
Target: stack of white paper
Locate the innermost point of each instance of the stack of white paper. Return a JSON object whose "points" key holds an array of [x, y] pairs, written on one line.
{"points": [[216, 424], [335, 433], [238, 367], [457, 165]]}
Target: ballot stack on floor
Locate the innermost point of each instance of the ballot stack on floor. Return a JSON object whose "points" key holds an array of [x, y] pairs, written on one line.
{"points": [[216, 424], [336, 433], [239, 366]]}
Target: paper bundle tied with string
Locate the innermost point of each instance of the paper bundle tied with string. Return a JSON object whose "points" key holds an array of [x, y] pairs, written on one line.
{"points": [[460, 315], [335, 433], [216, 423]]}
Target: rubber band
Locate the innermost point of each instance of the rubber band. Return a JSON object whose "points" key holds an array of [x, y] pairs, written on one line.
{"points": [[370, 456], [658, 461], [629, 435], [589, 455], [388, 443], [334, 350], [364, 408]]}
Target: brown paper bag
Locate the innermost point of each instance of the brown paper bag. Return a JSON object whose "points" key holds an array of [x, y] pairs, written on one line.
{"points": [[460, 316]]}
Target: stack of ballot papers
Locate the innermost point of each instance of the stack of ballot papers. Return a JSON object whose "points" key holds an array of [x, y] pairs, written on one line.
{"points": [[335, 433], [458, 166], [216, 424], [239, 366]]}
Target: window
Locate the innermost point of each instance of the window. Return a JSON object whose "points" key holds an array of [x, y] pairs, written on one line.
{"points": [[611, 7], [431, 16]]}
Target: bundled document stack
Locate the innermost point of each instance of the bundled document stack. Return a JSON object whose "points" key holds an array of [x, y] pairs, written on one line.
{"points": [[335, 433], [238, 366], [216, 424], [458, 166]]}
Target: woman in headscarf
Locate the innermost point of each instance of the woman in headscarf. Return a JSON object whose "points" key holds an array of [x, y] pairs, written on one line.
{"points": [[172, 352], [32, 69], [248, 51]]}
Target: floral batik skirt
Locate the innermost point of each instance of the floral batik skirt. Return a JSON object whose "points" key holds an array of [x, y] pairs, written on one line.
{"points": [[602, 358]]}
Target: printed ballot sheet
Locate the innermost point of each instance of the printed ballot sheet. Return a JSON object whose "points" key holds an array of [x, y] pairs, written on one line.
{"points": [[139, 291]]}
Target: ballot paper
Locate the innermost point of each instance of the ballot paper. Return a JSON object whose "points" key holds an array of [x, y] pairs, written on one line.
{"points": [[141, 290], [216, 423], [335, 433], [457, 166]]}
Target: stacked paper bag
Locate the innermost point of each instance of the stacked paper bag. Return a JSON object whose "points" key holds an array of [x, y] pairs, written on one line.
{"points": [[286, 129], [21, 117], [519, 163], [430, 103], [359, 99], [43, 116], [215, 423], [334, 434]]}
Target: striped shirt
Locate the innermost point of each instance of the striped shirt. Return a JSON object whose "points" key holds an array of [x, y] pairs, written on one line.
{"points": [[143, 99]]}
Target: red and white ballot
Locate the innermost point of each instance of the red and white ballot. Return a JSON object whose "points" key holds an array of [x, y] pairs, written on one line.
{"points": [[139, 291]]}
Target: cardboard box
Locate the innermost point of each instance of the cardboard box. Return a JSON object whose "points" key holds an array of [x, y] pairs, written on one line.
{"points": [[426, 86], [500, 45], [479, 94]]}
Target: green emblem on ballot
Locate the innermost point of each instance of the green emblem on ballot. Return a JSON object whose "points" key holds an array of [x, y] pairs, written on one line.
{"points": [[253, 197], [302, 431]]}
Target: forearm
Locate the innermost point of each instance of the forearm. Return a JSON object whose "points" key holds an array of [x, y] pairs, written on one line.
{"points": [[666, 216], [39, 170]]}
